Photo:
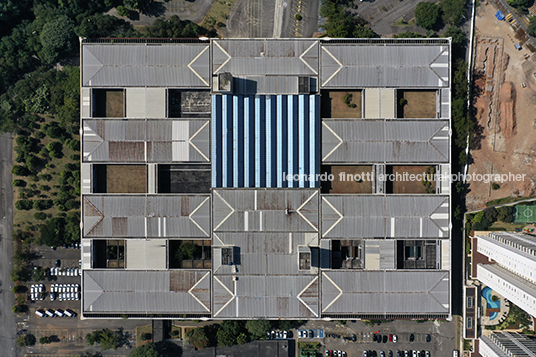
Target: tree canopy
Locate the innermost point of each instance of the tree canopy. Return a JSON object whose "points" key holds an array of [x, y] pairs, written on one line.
{"points": [[57, 38], [453, 11], [427, 15], [258, 328], [341, 23]]}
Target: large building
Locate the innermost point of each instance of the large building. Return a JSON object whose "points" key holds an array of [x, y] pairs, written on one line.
{"points": [[513, 274], [275, 178], [507, 344]]}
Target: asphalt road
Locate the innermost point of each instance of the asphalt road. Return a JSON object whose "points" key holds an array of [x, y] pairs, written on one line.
{"points": [[7, 318]]}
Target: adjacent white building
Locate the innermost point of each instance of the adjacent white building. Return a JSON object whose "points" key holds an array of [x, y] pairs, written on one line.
{"points": [[506, 344]]}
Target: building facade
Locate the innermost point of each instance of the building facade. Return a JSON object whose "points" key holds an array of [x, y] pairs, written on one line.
{"points": [[506, 344], [274, 178], [513, 273]]}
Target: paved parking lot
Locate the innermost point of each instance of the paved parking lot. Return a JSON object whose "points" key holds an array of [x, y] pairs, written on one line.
{"points": [[442, 335]]}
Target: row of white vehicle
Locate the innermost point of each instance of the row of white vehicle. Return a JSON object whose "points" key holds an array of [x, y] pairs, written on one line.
{"points": [[37, 292], [65, 271], [64, 292], [55, 313]]}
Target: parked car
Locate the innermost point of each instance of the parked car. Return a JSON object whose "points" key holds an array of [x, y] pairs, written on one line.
{"points": [[384, 338], [411, 338], [354, 338], [395, 338], [382, 354], [428, 338], [57, 263], [390, 338]]}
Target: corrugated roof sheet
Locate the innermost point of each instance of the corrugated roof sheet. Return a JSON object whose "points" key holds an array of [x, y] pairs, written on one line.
{"points": [[351, 65], [244, 57], [266, 297], [124, 291], [370, 216], [394, 292], [392, 141], [146, 216], [152, 65], [265, 210], [146, 140]]}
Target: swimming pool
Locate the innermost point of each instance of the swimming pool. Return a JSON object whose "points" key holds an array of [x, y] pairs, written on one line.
{"points": [[486, 293]]}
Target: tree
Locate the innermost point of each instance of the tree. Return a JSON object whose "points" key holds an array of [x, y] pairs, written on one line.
{"points": [[57, 38], [44, 340], [99, 25], [258, 328], [242, 339], [148, 350], [146, 336], [38, 274], [458, 37], [531, 30], [506, 214], [26, 340], [185, 251], [107, 338], [198, 337], [19, 183], [453, 11], [123, 11], [19, 289], [175, 27], [520, 4], [19, 170], [23, 205], [55, 149], [225, 337], [427, 15], [42, 205], [41, 216]]}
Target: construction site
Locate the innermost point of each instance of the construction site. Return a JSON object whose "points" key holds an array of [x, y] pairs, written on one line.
{"points": [[504, 97]]}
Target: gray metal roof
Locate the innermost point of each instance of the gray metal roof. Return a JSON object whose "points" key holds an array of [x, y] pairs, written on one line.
{"points": [[123, 291], [394, 292], [139, 216], [263, 253], [394, 141], [265, 210], [266, 297], [152, 65], [394, 216], [109, 140], [244, 57], [350, 65]]}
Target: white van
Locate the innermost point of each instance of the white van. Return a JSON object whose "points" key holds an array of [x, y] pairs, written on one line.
{"points": [[50, 313], [40, 313], [59, 313], [455, 353], [69, 313]]}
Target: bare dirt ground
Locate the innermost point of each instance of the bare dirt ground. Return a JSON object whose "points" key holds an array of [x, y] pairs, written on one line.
{"points": [[126, 179], [333, 105], [504, 101], [347, 185], [421, 104], [410, 186]]}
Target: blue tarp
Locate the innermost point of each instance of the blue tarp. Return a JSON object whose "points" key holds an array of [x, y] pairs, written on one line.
{"points": [[499, 15]]}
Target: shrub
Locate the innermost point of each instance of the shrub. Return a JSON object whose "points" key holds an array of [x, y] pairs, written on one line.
{"points": [[19, 289], [298, 16], [23, 205], [39, 134], [495, 186], [26, 340], [494, 298], [123, 11], [146, 336], [19, 170], [403, 101], [18, 183], [44, 340], [41, 216]]}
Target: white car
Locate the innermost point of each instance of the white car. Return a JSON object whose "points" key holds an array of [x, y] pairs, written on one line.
{"points": [[395, 338], [285, 334]]}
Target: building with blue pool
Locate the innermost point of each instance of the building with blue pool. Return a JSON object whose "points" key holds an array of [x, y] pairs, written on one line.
{"points": [[266, 178]]}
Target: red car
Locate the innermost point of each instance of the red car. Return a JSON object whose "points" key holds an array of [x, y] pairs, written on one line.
{"points": [[390, 338]]}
